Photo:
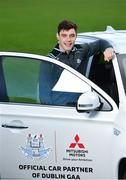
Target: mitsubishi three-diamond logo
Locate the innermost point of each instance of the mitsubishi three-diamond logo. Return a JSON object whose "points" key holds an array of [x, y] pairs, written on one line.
{"points": [[76, 143]]}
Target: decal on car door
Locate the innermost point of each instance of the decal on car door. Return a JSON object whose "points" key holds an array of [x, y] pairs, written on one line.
{"points": [[35, 147]]}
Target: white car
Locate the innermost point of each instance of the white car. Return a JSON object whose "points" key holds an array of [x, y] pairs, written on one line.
{"points": [[83, 138]]}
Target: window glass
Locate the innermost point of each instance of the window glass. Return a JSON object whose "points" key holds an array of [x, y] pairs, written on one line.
{"points": [[33, 81], [3, 90], [122, 65], [21, 77]]}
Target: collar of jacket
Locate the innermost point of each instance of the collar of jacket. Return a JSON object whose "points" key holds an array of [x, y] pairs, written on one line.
{"points": [[57, 49]]}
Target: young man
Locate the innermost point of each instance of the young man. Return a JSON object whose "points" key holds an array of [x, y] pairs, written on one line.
{"points": [[73, 55]]}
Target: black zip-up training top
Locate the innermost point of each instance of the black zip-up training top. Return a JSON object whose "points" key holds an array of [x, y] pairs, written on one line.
{"points": [[79, 55]]}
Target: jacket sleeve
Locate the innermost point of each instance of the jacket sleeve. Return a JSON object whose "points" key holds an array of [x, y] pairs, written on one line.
{"points": [[97, 47]]}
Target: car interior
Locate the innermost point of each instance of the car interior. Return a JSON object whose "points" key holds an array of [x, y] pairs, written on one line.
{"points": [[102, 74]]}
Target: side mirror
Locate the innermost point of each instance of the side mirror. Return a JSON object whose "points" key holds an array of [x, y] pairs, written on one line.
{"points": [[88, 101]]}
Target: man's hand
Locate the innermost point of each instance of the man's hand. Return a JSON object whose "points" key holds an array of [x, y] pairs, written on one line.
{"points": [[108, 54]]}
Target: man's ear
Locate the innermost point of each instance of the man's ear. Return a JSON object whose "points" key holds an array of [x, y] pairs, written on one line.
{"points": [[57, 36]]}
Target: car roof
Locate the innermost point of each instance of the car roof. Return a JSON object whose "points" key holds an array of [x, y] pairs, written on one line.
{"points": [[116, 37]]}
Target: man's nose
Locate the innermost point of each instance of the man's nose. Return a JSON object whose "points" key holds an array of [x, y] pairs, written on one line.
{"points": [[68, 38]]}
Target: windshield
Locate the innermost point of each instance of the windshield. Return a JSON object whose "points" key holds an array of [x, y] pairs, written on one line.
{"points": [[122, 65]]}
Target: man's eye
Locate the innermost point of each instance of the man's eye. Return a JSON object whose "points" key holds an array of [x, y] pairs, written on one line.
{"points": [[72, 35], [64, 35]]}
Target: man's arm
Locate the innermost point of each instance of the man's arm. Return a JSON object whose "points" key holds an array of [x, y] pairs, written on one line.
{"points": [[101, 46]]}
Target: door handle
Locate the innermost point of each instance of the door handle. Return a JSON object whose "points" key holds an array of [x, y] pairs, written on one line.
{"points": [[14, 124]]}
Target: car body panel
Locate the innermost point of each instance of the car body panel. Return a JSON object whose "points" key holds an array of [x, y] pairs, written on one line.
{"points": [[57, 144]]}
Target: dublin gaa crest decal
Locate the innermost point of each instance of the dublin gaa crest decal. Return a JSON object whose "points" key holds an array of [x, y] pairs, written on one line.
{"points": [[35, 147]]}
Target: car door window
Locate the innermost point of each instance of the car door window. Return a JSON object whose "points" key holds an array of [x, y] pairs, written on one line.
{"points": [[21, 77], [3, 89], [27, 80], [122, 65], [34, 81]]}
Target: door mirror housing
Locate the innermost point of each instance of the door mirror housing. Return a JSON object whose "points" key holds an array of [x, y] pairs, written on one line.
{"points": [[88, 101]]}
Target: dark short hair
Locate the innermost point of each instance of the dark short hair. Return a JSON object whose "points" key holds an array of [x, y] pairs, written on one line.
{"points": [[66, 25]]}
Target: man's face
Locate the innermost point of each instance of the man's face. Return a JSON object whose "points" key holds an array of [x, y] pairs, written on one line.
{"points": [[66, 39]]}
